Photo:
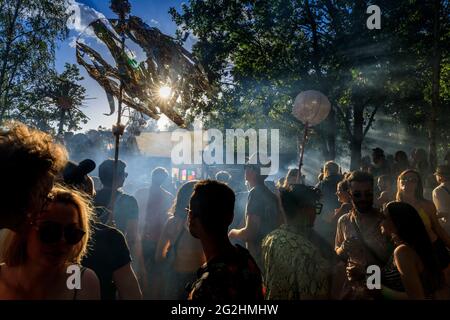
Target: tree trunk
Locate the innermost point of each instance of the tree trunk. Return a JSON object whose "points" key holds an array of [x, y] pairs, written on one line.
{"points": [[436, 71], [357, 138], [329, 127], [62, 117], [5, 56], [331, 134]]}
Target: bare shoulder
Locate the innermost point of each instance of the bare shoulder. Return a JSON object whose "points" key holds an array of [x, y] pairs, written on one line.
{"points": [[171, 224], [384, 195], [90, 286], [344, 219], [429, 206], [404, 251], [406, 259]]}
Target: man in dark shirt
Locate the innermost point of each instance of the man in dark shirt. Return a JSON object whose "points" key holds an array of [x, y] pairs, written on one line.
{"points": [[154, 204], [110, 259], [126, 211], [262, 214], [230, 272]]}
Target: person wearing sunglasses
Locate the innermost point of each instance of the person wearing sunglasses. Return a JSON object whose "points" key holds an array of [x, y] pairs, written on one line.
{"points": [[35, 262], [292, 252], [359, 241], [109, 255], [410, 190], [29, 162]]}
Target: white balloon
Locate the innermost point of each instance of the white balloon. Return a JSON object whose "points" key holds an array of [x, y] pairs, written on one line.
{"points": [[311, 107]]}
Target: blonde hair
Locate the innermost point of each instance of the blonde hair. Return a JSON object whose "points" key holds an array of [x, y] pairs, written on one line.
{"points": [[418, 193], [292, 174], [330, 168], [14, 245]]}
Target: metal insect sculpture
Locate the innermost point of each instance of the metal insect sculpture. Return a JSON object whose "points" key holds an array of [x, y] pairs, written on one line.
{"points": [[168, 81]]}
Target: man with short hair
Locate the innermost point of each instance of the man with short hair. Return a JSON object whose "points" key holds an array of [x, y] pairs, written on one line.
{"points": [[295, 268], [380, 164], [262, 214], [359, 241], [126, 211], [223, 176], [29, 161], [157, 205], [441, 195], [230, 272], [156, 202]]}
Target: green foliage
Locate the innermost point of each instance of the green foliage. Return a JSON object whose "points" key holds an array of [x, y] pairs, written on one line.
{"points": [[263, 53], [29, 30], [62, 97]]}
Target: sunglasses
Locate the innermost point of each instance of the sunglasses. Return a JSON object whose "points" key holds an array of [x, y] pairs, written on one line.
{"points": [[359, 195], [52, 232]]}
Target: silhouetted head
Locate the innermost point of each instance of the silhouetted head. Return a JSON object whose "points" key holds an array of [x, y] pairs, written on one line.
{"points": [[401, 157], [223, 176], [76, 176], [159, 176], [301, 202], [377, 155], [106, 171], [330, 168], [182, 198], [211, 209], [361, 190]]}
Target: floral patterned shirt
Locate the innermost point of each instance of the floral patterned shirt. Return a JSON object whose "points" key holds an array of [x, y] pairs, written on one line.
{"points": [[294, 267]]}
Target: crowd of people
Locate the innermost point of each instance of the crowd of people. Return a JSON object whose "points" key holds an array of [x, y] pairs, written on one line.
{"points": [[209, 241]]}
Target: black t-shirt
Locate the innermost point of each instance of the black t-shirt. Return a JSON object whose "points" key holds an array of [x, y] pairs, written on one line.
{"points": [[108, 253], [125, 208], [264, 204]]}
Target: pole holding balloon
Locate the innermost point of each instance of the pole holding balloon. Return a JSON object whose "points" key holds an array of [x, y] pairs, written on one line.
{"points": [[311, 108]]}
